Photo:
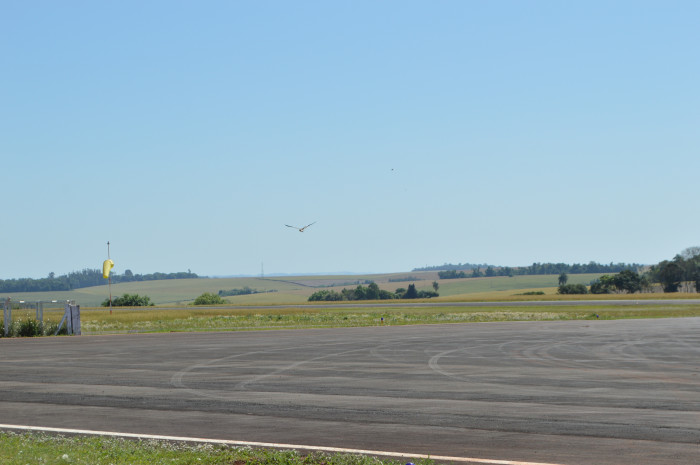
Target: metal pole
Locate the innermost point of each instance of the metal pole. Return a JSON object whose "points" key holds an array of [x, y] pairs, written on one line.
{"points": [[110, 282]]}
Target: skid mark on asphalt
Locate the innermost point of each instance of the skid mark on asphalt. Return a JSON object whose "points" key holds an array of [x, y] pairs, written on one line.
{"points": [[178, 379]]}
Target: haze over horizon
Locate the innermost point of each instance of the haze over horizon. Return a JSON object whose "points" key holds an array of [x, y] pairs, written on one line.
{"points": [[412, 133]]}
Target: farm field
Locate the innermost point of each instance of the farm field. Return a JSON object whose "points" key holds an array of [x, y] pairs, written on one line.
{"points": [[297, 289], [277, 306]]}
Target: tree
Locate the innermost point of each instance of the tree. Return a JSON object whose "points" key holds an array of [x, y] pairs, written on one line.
{"points": [[411, 292], [690, 253], [563, 278], [670, 275], [372, 292], [628, 280], [436, 286], [603, 285]]}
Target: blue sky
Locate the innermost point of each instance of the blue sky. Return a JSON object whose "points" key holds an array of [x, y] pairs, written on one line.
{"points": [[414, 133]]}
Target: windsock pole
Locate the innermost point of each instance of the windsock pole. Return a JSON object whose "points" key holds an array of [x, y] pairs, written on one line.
{"points": [[110, 282]]}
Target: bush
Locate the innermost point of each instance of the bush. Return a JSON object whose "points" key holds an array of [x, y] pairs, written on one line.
{"points": [[50, 329], [427, 294], [573, 289], [209, 299], [30, 328]]}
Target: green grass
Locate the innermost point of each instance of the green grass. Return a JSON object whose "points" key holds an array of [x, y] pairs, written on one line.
{"points": [[99, 321], [35, 448]]}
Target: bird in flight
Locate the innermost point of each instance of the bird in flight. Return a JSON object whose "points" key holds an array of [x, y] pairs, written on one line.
{"points": [[300, 229]]}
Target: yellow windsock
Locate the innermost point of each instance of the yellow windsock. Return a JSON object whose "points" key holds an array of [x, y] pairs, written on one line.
{"points": [[106, 268]]}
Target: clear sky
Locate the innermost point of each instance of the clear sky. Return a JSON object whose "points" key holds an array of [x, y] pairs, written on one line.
{"points": [[413, 132]]}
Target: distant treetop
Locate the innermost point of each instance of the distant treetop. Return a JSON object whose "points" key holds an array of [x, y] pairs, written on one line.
{"points": [[80, 279], [535, 268]]}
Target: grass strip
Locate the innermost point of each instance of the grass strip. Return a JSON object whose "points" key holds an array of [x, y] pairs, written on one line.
{"points": [[43, 449], [99, 322], [144, 320]]}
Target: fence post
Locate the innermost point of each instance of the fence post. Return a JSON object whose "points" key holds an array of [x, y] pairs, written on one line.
{"points": [[75, 319], [69, 319]]}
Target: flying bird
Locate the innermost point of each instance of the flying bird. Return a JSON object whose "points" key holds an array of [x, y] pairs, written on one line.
{"points": [[300, 229]]}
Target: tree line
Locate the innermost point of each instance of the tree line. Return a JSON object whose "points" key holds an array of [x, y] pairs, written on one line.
{"points": [[372, 292], [681, 274], [467, 270], [83, 278]]}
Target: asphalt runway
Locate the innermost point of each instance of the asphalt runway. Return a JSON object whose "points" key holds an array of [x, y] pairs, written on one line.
{"points": [[571, 392]]}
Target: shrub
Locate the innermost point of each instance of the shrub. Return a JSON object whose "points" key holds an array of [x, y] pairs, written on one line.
{"points": [[573, 289], [29, 328], [209, 299], [50, 329]]}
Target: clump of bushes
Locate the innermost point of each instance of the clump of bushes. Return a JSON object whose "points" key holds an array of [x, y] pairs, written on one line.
{"points": [[129, 300], [30, 327], [573, 289], [209, 299], [371, 292]]}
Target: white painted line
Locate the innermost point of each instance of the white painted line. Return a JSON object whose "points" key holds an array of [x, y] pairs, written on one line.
{"points": [[270, 445]]}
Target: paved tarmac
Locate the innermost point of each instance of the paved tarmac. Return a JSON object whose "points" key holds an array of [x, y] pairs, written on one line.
{"points": [[571, 392]]}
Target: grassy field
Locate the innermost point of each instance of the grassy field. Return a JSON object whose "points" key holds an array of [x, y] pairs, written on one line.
{"points": [[174, 312], [297, 289], [165, 319], [34, 448]]}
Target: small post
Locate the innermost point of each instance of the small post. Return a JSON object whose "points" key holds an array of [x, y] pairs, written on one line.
{"points": [[40, 311], [68, 318], [7, 316]]}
